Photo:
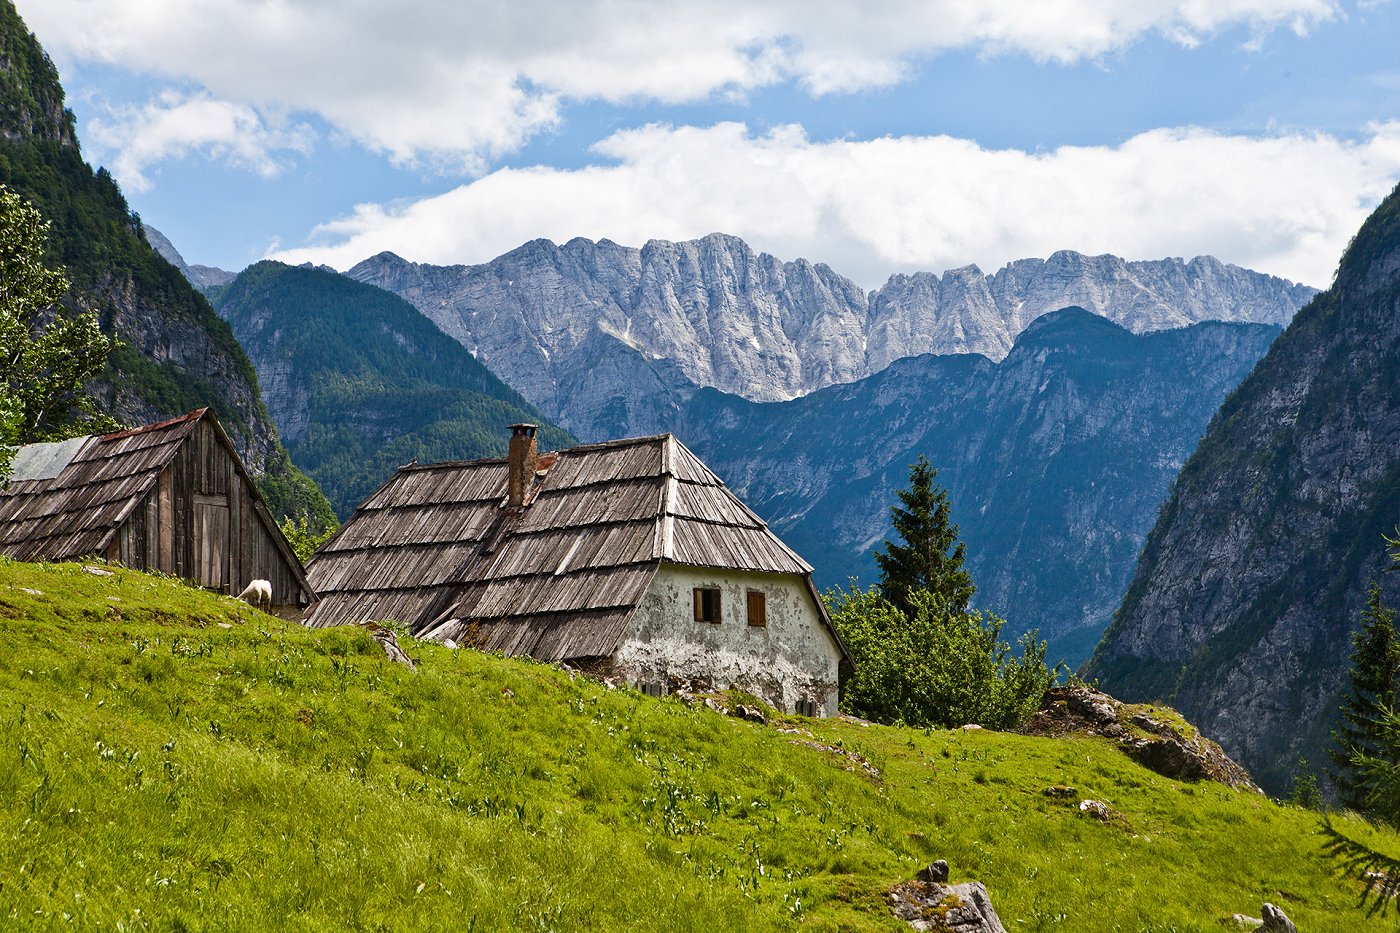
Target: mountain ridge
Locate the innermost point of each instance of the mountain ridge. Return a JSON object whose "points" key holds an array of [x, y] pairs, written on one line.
{"points": [[723, 315], [1056, 458]]}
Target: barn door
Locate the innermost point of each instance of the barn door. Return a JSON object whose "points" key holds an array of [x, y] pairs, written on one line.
{"points": [[211, 548]]}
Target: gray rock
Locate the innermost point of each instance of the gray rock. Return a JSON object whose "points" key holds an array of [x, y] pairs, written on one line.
{"points": [[1276, 921], [1242, 606], [948, 908], [607, 339], [937, 872]]}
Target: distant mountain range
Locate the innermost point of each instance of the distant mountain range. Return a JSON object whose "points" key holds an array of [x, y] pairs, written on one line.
{"points": [[1249, 586], [1057, 448], [1056, 458], [610, 340]]}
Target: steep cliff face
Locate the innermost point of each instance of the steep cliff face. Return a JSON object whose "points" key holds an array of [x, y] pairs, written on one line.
{"points": [[178, 355], [360, 383], [714, 313], [1241, 607], [1056, 458]]}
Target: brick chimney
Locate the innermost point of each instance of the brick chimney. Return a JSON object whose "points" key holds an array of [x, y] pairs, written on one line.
{"points": [[522, 463]]}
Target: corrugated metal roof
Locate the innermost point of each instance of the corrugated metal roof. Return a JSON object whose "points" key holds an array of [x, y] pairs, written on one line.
{"points": [[558, 578]]}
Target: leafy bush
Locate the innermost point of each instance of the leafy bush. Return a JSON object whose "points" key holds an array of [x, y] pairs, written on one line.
{"points": [[935, 665]]}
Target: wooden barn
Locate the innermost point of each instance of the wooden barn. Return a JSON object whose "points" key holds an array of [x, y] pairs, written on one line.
{"points": [[172, 497], [628, 558]]}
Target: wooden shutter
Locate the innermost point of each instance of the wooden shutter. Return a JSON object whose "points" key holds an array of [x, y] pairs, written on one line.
{"points": [[758, 608]]}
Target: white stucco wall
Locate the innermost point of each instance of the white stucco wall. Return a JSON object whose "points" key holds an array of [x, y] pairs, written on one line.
{"points": [[791, 658]]}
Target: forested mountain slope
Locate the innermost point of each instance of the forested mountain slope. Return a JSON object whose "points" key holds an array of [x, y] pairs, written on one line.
{"points": [[1056, 458], [1242, 605], [178, 355], [359, 382]]}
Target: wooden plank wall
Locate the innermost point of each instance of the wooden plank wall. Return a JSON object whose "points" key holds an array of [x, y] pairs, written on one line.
{"points": [[203, 472]]}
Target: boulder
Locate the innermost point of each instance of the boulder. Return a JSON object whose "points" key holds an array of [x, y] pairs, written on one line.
{"points": [[1154, 736], [946, 908], [1276, 921]]}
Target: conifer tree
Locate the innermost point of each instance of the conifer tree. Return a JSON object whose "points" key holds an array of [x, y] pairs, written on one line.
{"points": [[1375, 681], [931, 557]]}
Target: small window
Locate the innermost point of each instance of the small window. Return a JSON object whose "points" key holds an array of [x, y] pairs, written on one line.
{"points": [[807, 707], [758, 608], [707, 604]]}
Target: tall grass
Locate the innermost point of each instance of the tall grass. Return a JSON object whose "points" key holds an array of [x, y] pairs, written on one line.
{"points": [[173, 760]]}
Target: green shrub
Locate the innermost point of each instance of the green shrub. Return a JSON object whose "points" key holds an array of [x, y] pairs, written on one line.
{"points": [[935, 665]]}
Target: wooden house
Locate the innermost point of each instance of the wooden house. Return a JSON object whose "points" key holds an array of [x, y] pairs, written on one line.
{"points": [[628, 558], [173, 497]]}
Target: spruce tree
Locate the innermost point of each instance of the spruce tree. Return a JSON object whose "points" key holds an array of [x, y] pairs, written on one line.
{"points": [[931, 557], [1375, 680]]}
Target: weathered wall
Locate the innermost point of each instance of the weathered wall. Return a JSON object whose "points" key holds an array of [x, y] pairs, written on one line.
{"points": [[791, 658], [223, 555]]}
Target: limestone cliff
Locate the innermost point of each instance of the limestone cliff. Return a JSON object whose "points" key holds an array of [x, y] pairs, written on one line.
{"points": [[557, 322], [1250, 584]]}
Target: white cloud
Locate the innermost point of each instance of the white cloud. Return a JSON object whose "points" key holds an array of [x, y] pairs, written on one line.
{"points": [[175, 125], [457, 83], [1285, 204]]}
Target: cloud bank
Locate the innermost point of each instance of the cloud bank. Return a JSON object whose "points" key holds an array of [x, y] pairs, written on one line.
{"points": [[452, 84], [1285, 204]]}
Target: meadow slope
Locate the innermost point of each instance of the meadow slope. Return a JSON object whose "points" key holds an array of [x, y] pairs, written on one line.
{"points": [[174, 760]]}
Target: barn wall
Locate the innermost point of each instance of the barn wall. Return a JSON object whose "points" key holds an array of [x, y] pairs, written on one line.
{"points": [[791, 658], [216, 536]]}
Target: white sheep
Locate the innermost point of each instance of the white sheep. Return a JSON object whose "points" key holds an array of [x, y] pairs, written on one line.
{"points": [[258, 593]]}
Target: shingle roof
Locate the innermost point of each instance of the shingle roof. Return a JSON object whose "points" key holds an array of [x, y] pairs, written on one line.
{"points": [[437, 549], [67, 499], [60, 509]]}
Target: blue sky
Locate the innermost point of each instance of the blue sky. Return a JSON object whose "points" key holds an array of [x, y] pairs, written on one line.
{"points": [[878, 138]]}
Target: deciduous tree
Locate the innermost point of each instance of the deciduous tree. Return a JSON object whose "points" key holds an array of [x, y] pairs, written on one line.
{"points": [[47, 352]]}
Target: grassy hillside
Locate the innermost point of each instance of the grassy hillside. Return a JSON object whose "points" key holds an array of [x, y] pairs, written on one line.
{"points": [[173, 760]]}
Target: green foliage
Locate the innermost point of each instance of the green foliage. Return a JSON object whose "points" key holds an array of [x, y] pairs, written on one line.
{"points": [[931, 557], [1306, 791], [102, 245], [935, 665], [159, 771], [372, 382], [1374, 688], [303, 537], [46, 353]]}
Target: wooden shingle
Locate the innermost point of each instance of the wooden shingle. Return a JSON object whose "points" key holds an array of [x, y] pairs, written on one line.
{"points": [[558, 578]]}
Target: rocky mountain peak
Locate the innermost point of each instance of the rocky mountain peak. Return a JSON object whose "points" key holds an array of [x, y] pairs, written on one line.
{"points": [[720, 314]]}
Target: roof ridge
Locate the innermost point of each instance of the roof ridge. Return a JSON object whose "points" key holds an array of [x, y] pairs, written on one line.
{"points": [[617, 442], [148, 428]]}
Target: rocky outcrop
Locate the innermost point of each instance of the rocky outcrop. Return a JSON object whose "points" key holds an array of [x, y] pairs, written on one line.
{"points": [[931, 903], [201, 277], [1056, 458], [672, 317], [1242, 605], [1155, 737]]}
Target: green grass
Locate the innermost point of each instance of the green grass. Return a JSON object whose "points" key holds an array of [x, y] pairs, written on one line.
{"points": [[174, 760]]}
